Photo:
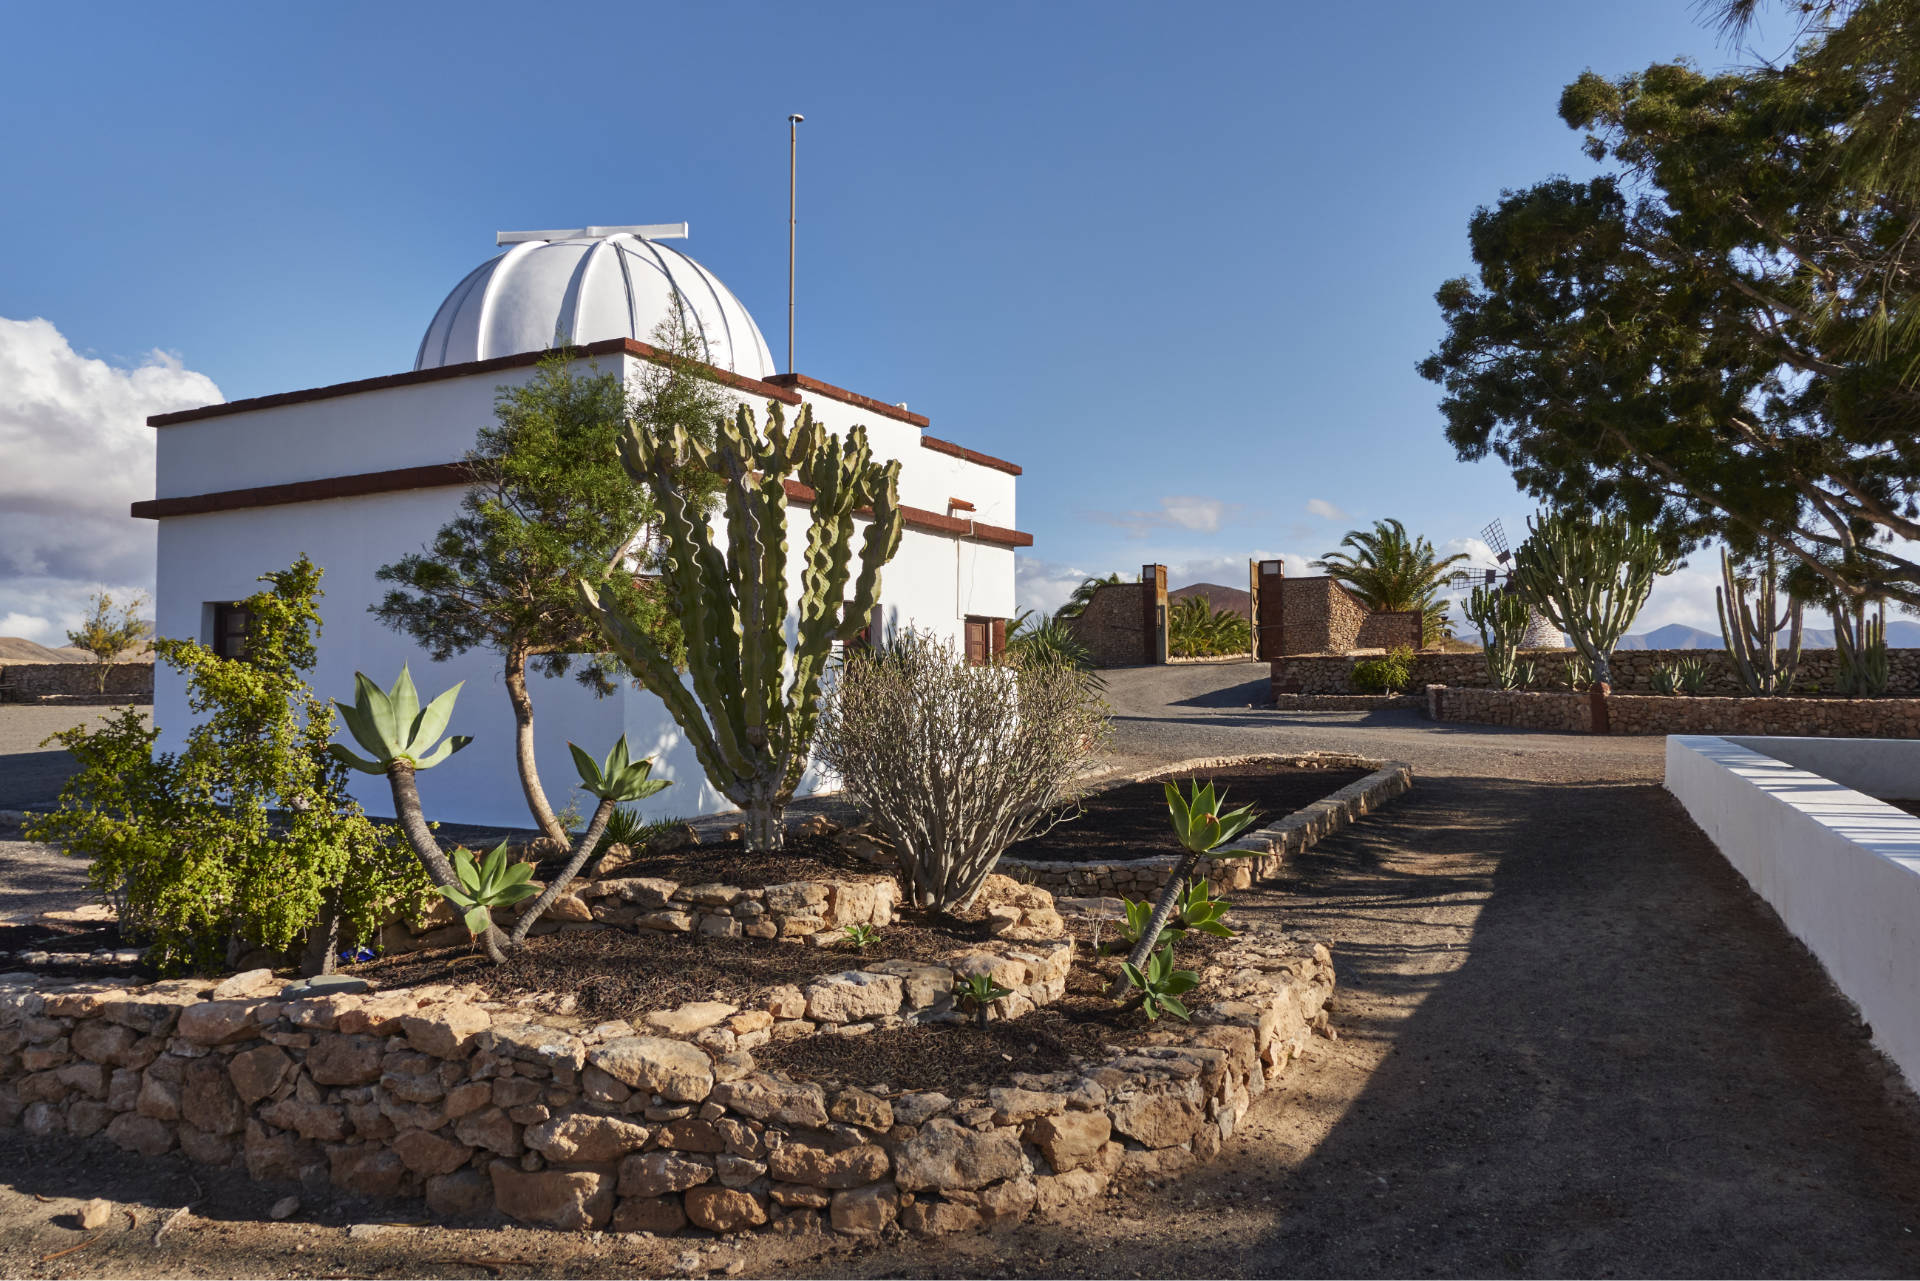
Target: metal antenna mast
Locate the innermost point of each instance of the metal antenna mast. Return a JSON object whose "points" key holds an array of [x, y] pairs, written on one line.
{"points": [[793, 193]]}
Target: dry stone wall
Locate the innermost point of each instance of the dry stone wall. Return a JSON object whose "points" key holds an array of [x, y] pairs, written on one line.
{"points": [[75, 682], [478, 1106], [1268, 845], [1673, 714], [1113, 625], [1632, 670]]}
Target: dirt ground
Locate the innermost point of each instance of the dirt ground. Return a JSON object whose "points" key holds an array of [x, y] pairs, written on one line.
{"points": [[1571, 1042]]}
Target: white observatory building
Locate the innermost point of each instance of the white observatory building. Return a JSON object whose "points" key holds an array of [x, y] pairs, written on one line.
{"points": [[358, 474]]}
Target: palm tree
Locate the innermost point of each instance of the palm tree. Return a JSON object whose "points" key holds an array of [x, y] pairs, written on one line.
{"points": [[1077, 603], [1388, 570]]}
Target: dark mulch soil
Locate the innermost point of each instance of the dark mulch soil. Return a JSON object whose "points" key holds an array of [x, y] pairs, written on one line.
{"points": [[957, 1058], [614, 974], [805, 858], [1130, 821]]}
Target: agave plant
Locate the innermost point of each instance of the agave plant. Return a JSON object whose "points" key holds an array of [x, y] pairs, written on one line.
{"points": [[402, 738], [979, 991], [616, 780], [1160, 985], [485, 886], [1201, 828]]}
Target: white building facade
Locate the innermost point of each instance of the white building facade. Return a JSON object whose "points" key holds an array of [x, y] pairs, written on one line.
{"points": [[358, 474]]}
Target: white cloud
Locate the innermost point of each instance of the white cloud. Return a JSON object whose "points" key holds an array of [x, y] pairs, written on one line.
{"points": [[78, 452], [1179, 511], [1324, 510], [1044, 585]]}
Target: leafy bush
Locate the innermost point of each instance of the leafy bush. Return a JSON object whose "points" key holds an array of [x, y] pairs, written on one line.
{"points": [[956, 762], [1384, 675], [1686, 676], [1197, 630], [246, 838]]}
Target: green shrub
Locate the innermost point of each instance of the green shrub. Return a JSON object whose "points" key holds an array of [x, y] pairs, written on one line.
{"points": [[246, 838], [1384, 675]]}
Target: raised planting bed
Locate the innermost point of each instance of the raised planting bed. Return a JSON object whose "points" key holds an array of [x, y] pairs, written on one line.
{"points": [[1120, 844], [649, 1078]]}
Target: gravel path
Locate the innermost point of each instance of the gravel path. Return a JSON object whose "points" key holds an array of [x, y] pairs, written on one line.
{"points": [[1571, 1042], [35, 878]]}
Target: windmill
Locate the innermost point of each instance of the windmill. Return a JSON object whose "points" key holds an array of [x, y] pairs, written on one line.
{"points": [[1541, 633], [1495, 537]]}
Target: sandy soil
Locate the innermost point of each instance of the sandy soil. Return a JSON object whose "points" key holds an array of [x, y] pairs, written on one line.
{"points": [[1571, 1042]]}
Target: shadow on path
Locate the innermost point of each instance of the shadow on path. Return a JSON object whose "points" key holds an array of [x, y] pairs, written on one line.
{"points": [[1633, 1070]]}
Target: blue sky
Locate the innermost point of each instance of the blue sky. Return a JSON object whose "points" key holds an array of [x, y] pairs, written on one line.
{"points": [[1178, 262]]}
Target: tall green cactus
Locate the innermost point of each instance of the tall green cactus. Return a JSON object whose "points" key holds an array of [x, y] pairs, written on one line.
{"points": [[1591, 576], [755, 696], [1503, 618], [1751, 631], [1863, 671]]}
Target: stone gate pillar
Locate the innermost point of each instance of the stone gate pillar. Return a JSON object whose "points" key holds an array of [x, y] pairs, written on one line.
{"points": [[1153, 614]]}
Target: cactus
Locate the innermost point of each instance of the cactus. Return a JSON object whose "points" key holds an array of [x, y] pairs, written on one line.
{"points": [[755, 698], [1750, 631], [615, 781], [1862, 642], [1503, 618], [1590, 575]]}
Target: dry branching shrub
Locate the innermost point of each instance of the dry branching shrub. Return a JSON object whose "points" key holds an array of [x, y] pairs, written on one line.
{"points": [[955, 762]]}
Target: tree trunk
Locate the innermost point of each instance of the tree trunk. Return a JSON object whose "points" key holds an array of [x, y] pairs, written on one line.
{"points": [[323, 942], [764, 830], [558, 885], [406, 804], [523, 756], [1162, 912]]}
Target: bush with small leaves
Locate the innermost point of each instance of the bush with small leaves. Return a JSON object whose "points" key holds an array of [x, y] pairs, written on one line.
{"points": [[1387, 675]]}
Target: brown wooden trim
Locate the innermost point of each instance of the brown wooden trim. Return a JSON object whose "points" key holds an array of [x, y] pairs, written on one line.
{"points": [[971, 455], [414, 377], [441, 475], [432, 476], [958, 504], [930, 522], [832, 392]]}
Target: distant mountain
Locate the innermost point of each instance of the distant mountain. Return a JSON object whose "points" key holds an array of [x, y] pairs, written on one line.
{"points": [[17, 649], [1902, 633], [1218, 597]]}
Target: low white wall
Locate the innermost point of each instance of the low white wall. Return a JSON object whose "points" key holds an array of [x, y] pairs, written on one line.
{"points": [[1841, 868], [1885, 768]]}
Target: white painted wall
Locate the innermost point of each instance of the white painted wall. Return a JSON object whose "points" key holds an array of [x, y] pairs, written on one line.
{"points": [[1885, 768], [932, 583], [1841, 868]]}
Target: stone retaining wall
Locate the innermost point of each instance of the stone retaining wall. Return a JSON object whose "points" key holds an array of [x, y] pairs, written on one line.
{"points": [[1632, 670], [1293, 834], [1673, 714], [75, 682], [794, 910], [1348, 702], [475, 1106]]}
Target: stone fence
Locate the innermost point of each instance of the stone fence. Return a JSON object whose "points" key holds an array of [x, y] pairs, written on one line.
{"points": [[478, 1105], [75, 682], [1675, 714], [1632, 670], [1270, 845]]}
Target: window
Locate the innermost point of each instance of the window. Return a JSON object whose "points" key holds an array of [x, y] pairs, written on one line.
{"points": [[986, 639], [230, 623], [874, 630]]}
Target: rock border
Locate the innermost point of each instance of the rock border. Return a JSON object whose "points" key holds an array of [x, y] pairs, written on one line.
{"points": [[1297, 832], [432, 1092]]}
